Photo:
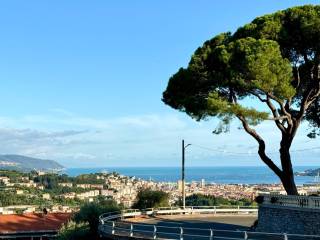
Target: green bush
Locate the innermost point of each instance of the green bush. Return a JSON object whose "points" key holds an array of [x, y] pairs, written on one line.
{"points": [[209, 200], [74, 231], [151, 199], [89, 213]]}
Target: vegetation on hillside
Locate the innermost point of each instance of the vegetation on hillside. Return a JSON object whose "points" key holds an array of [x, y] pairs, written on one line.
{"points": [[50, 182], [84, 224], [208, 200], [24, 164], [151, 199]]}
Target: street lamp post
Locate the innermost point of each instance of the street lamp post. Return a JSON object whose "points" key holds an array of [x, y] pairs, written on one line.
{"points": [[182, 174]]}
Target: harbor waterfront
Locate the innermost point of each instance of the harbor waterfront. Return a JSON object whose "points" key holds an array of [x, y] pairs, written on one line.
{"points": [[58, 192], [166, 120], [221, 175], [55, 190]]}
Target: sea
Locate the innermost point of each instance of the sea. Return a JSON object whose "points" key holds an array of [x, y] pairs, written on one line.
{"points": [[222, 175]]}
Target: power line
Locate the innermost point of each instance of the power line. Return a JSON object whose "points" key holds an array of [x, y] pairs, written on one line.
{"points": [[248, 153], [305, 149], [219, 150]]}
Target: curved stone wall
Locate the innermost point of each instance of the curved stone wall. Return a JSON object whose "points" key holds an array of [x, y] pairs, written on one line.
{"points": [[284, 219]]}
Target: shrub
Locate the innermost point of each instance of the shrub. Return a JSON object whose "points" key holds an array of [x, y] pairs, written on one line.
{"points": [[151, 199], [74, 231], [89, 213], [259, 199]]}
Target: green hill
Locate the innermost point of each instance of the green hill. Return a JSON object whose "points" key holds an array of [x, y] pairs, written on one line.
{"points": [[25, 164], [309, 172]]}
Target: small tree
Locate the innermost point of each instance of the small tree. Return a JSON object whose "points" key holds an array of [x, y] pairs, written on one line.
{"points": [[274, 60], [151, 199], [90, 212], [74, 231]]}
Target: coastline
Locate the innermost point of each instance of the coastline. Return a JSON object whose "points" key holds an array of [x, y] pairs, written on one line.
{"points": [[219, 175]]}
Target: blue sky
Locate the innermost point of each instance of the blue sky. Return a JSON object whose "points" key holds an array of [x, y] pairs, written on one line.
{"points": [[81, 82]]}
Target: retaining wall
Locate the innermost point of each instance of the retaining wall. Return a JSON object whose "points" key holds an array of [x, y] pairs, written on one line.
{"points": [[284, 219]]}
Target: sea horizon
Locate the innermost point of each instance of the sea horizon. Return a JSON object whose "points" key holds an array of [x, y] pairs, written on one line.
{"points": [[211, 174], [195, 166]]}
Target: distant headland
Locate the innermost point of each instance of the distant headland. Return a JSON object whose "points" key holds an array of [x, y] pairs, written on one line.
{"points": [[27, 164], [309, 172]]}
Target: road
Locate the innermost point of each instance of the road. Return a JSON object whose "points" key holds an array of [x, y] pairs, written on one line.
{"points": [[198, 225], [226, 227], [207, 221]]}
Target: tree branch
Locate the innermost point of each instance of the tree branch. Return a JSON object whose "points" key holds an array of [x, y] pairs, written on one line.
{"points": [[262, 147], [298, 79], [308, 99], [273, 109], [276, 116], [258, 96], [313, 90], [281, 104]]}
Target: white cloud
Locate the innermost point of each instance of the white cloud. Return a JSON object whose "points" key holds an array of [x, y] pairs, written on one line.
{"points": [[134, 140]]}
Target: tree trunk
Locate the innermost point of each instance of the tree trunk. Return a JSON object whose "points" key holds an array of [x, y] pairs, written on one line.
{"points": [[287, 176], [286, 173], [289, 184]]}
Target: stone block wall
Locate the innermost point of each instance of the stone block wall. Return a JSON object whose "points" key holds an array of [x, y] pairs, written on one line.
{"points": [[282, 219]]}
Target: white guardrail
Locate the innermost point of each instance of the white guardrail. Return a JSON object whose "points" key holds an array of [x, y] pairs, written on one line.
{"points": [[110, 225], [176, 210]]}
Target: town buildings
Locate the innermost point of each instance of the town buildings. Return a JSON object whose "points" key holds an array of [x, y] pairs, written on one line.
{"points": [[124, 190]]}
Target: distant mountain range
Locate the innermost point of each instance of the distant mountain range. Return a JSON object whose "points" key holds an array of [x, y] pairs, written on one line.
{"points": [[309, 172], [25, 164]]}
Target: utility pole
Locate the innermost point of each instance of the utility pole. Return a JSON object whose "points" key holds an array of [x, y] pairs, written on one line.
{"points": [[182, 175], [182, 178]]}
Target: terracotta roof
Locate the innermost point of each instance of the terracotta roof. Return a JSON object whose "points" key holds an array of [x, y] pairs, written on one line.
{"points": [[14, 223]]}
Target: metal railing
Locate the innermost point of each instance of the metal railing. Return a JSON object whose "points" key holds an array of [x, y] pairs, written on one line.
{"points": [[42, 235], [292, 201], [175, 210], [110, 226], [148, 231]]}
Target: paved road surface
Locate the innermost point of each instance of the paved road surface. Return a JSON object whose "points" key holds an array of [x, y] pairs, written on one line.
{"points": [[221, 222], [205, 222], [197, 227]]}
